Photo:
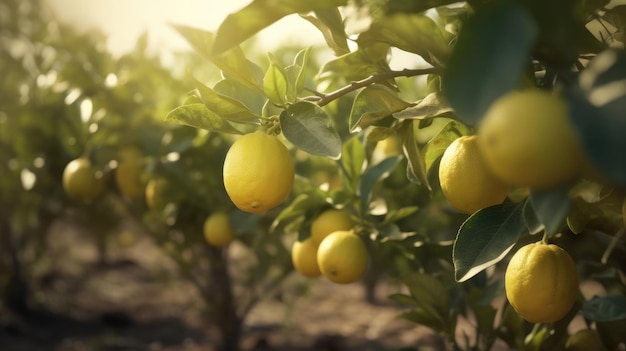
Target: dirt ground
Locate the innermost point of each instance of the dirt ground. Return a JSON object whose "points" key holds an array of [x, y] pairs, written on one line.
{"points": [[138, 303]]}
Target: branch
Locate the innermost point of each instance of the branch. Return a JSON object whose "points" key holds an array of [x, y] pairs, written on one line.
{"points": [[322, 99]]}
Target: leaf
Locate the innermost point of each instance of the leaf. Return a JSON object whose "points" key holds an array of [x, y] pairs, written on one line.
{"points": [[438, 144], [259, 14], [416, 167], [424, 318], [296, 74], [330, 23], [404, 299], [416, 33], [225, 106], [372, 175], [200, 40], [355, 66], [373, 104], [275, 84], [597, 108], [533, 224], [485, 238], [253, 99], [430, 299], [551, 207], [394, 216], [415, 6], [491, 53], [309, 128], [605, 308], [199, 116], [352, 162], [433, 105]]}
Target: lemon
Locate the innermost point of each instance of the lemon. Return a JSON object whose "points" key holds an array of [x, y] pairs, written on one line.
{"points": [[304, 258], [329, 221], [128, 173], [218, 230], [258, 172], [81, 181], [527, 140], [584, 340], [342, 257], [155, 192], [465, 180], [541, 282]]}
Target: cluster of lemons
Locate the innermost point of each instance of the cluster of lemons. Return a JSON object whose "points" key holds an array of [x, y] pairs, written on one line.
{"points": [[525, 140]]}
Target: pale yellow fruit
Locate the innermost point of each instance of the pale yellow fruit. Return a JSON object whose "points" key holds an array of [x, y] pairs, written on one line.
{"points": [[155, 192], [258, 172], [527, 140], [304, 258], [584, 340], [81, 181], [541, 282], [128, 173], [465, 180], [329, 221], [342, 257], [217, 230]]}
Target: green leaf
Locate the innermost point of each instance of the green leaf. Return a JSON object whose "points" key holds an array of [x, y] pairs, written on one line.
{"points": [[352, 160], [330, 23], [533, 224], [605, 308], [438, 144], [275, 84], [394, 216], [373, 104], [253, 99], [309, 128], [404, 299], [372, 175], [225, 106], [199, 116], [551, 207], [236, 66], [415, 6], [259, 14], [200, 40], [430, 299], [424, 318], [355, 66], [492, 52], [485, 238], [433, 105], [416, 33], [296, 74], [299, 207], [416, 167]]}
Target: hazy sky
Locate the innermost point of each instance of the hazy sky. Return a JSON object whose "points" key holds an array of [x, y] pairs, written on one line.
{"points": [[124, 20]]}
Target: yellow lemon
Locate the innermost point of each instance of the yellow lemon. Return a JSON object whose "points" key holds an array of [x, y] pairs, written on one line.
{"points": [[584, 340], [541, 282], [81, 181], [304, 258], [465, 180], [527, 140], [128, 173], [218, 230], [329, 221], [155, 192], [342, 257], [258, 172]]}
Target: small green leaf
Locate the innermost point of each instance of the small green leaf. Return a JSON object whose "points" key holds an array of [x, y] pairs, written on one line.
{"points": [[275, 83], [352, 162], [533, 224], [225, 106], [424, 318], [438, 144], [399, 214], [373, 104], [253, 99], [551, 207], [372, 175], [605, 308], [416, 168], [259, 14], [485, 238], [330, 23], [404, 299], [433, 105], [309, 128], [493, 50], [199, 116]]}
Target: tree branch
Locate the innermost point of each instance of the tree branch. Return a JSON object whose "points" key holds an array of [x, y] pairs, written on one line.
{"points": [[322, 99]]}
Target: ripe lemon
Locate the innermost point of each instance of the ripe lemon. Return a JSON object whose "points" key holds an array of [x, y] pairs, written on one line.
{"points": [[541, 282], [258, 172], [584, 340], [465, 180], [155, 192], [128, 173], [527, 140], [81, 181], [329, 221], [304, 258], [217, 230], [342, 257]]}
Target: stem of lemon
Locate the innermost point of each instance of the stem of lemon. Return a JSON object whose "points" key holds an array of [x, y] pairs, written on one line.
{"points": [[545, 237]]}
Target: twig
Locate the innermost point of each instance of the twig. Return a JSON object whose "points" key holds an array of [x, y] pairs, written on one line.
{"points": [[322, 99]]}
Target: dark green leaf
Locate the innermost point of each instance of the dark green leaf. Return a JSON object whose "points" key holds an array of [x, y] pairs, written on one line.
{"points": [[551, 207], [373, 104], [533, 224], [330, 23], [372, 175], [259, 14], [486, 237], [491, 53], [308, 127], [199, 116], [225, 106], [424, 318], [416, 168], [352, 159], [404, 299], [605, 308]]}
